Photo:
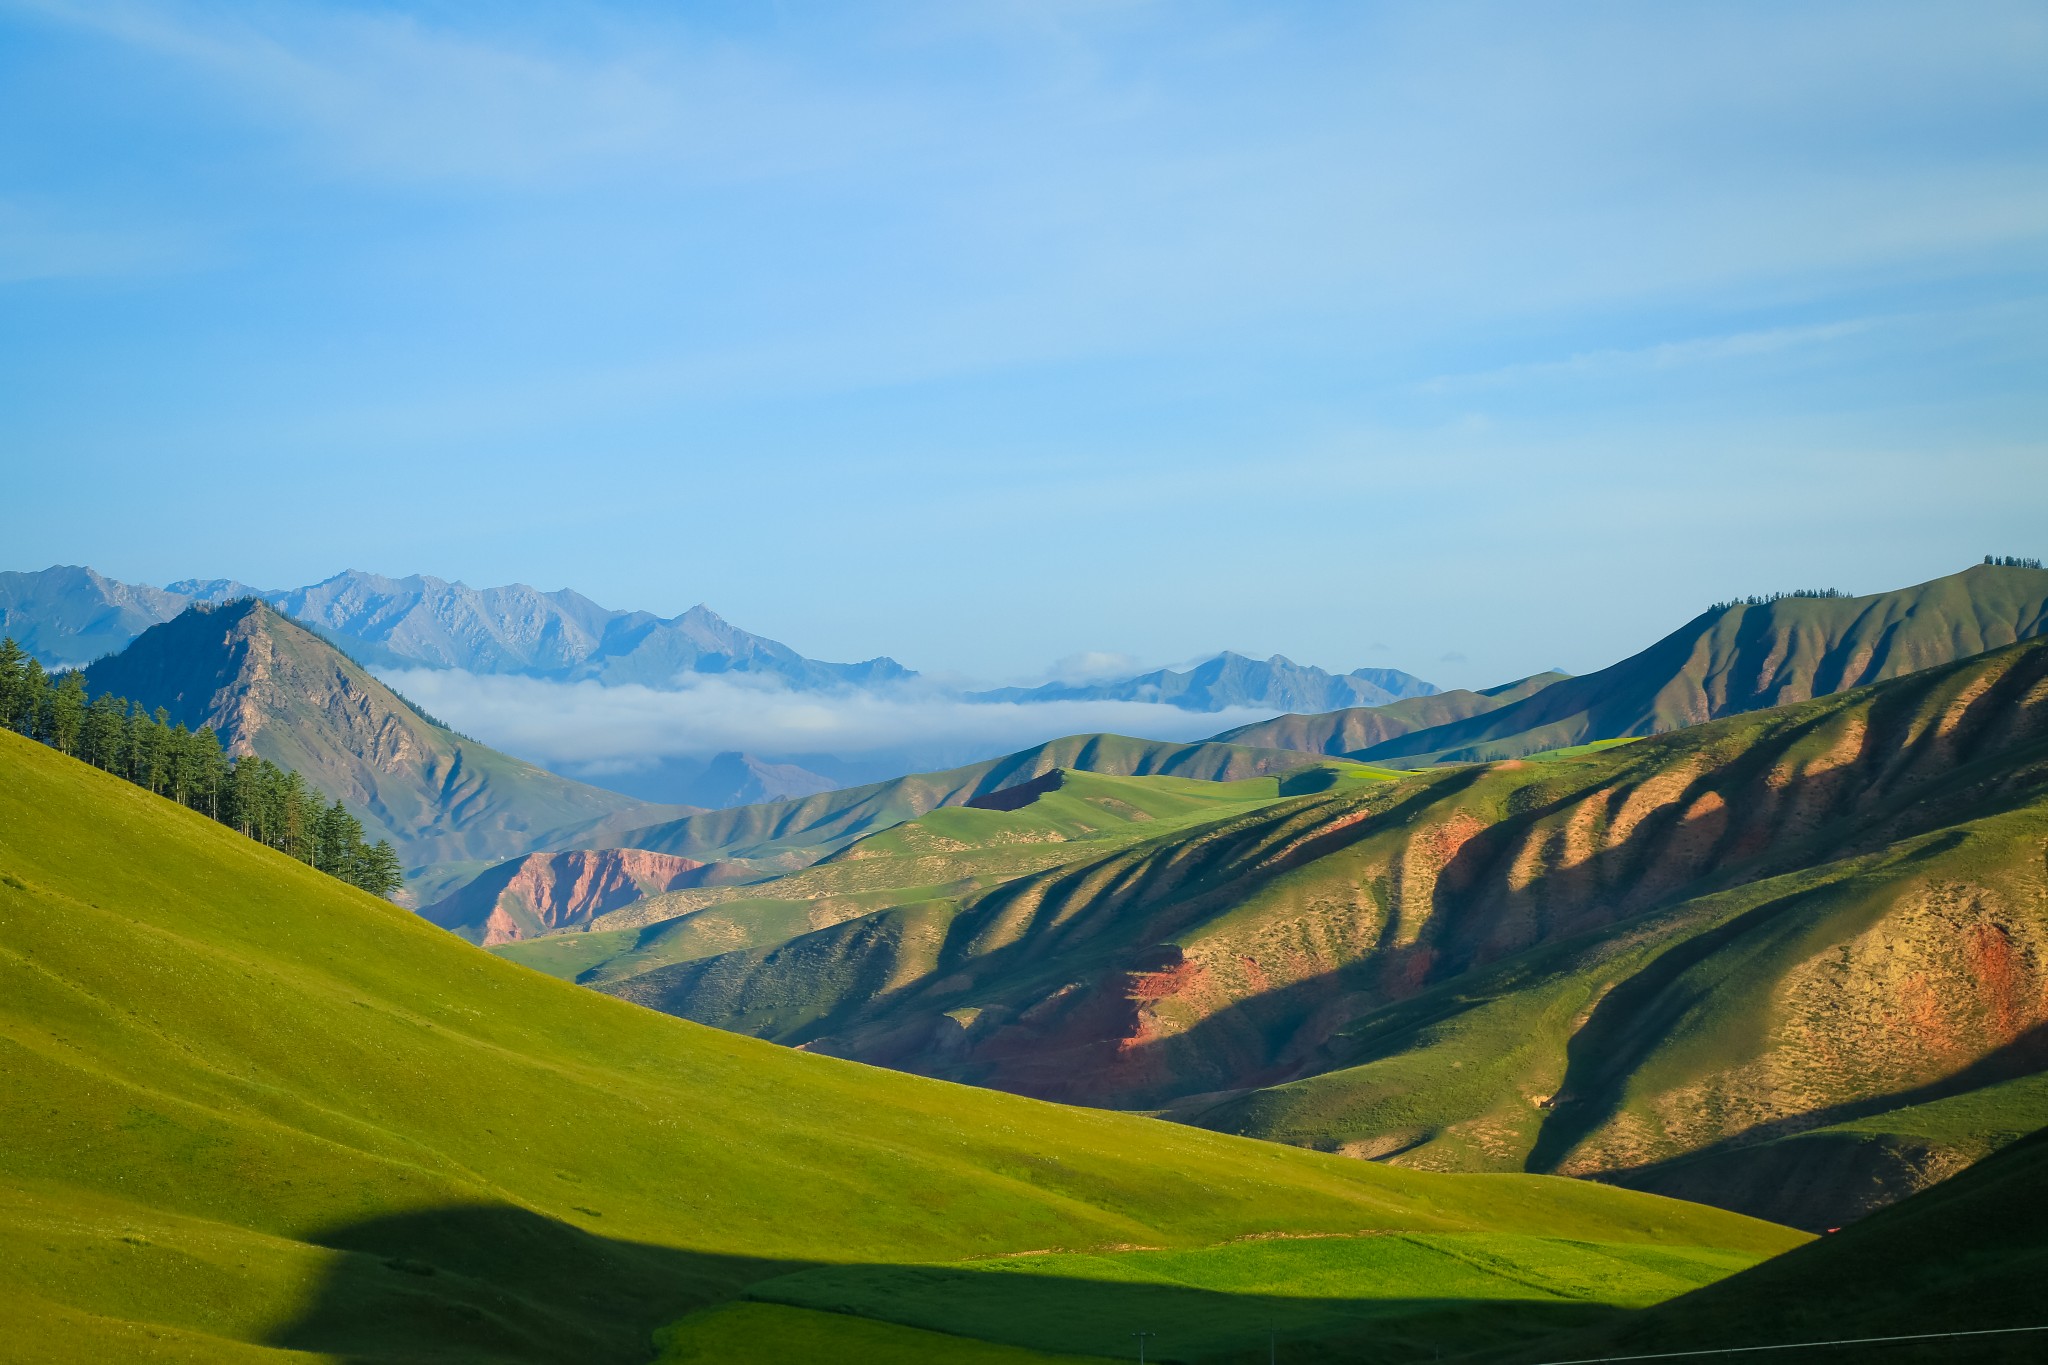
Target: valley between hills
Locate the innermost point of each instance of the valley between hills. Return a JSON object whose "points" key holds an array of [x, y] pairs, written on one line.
{"points": [[1697, 1002]]}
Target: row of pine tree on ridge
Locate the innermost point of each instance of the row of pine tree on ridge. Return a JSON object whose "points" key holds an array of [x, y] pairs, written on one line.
{"points": [[272, 805]]}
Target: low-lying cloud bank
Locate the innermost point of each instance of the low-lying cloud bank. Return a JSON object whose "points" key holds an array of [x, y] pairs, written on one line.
{"points": [[594, 732]]}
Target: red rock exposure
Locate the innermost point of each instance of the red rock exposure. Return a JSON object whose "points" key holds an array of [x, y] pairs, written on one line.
{"points": [[543, 891]]}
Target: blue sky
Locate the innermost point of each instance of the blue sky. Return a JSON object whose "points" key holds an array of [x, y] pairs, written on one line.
{"points": [[1467, 339]]}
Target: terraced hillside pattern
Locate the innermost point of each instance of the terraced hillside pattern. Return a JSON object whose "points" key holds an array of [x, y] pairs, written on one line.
{"points": [[1794, 961], [255, 1115]]}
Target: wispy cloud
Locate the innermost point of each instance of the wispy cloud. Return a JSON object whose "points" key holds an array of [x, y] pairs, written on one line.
{"points": [[585, 726], [1663, 355]]}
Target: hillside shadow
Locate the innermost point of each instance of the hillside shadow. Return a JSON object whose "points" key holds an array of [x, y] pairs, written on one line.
{"points": [[502, 1285], [1827, 1180]]}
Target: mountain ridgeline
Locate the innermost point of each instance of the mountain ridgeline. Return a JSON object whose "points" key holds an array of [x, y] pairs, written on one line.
{"points": [[270, 687], [1232, 680], [1738, 656], [71, 616]]}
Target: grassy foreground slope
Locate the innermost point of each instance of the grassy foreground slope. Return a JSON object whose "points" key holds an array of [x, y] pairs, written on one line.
{"points": [[250, 1109], [1790, 960]]}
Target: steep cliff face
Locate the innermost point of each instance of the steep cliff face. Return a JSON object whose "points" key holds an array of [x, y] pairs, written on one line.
{"points": [[271, 687], [543, 891], [1735, 934]]}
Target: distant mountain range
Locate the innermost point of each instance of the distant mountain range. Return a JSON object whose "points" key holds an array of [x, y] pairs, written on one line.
{"points": [[269, 686], [71, 616], [1232, 680], [68, 616]]}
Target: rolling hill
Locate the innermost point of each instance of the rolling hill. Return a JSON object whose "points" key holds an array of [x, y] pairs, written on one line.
{"points": [[1231, 679], [1734, 658], [1060, 817], [269, 686], [255, 1115], [801, 831], [1789, 961], [1358, 728]]}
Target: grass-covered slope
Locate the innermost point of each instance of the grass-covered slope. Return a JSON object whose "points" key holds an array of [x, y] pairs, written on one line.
{"points": [[1969, 1255], [1358, 728], [1061, 817], [1790, 961], [250, 1110], [1744, 658], [805, 829], [271, 687]]}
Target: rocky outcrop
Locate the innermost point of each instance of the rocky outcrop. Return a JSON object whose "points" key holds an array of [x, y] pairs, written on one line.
{"points": [[541, 892]]}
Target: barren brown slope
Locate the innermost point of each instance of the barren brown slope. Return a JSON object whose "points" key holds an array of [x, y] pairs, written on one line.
{"points": [[1695, 947], [1360, 727], [271, 687], [541, 892], [1744, 658]]}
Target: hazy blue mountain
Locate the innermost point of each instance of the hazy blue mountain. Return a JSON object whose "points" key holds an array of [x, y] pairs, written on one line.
{"points": [[69, 615], [1232, 680], [723, 780]]}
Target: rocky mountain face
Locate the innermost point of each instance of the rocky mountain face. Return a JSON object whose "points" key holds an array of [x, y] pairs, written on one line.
{"points": [[1734, 658], [269, 686], [1791, 961], [529, 896], [71, 616], [1232, 680]]}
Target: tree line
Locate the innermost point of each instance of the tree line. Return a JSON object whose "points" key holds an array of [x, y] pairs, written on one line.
{"points": [[2012, 561], [272, 805], [1765, 599]]}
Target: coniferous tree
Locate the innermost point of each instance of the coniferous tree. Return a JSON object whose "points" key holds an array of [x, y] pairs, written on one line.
{"points": [[381, 874], [67, 713], [272, 805], [101, 738], [207, 771], [30, 693], [13, 682]]}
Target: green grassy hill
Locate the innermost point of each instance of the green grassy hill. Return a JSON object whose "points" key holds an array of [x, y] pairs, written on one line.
{"points": [[1745, 658], [271, 687], [1789, 961], [1060, 817], [801, 831], [253, 1114], [1357, 728]]}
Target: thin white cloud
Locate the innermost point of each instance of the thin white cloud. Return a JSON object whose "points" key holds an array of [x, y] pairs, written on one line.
{"points": [[587, 727], [1664, 355]]}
